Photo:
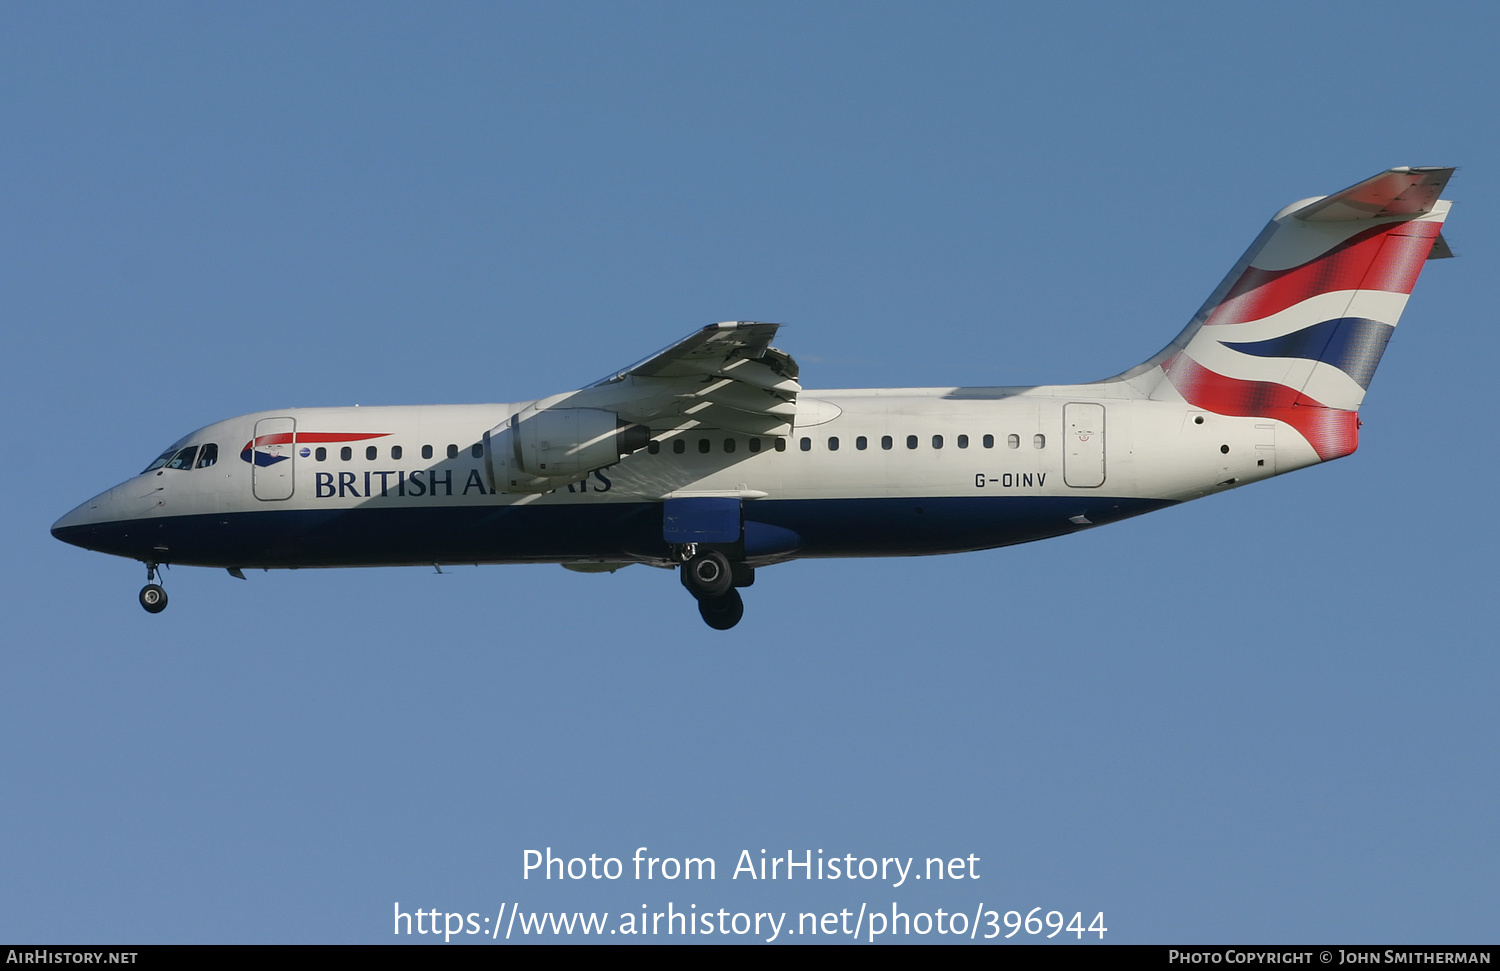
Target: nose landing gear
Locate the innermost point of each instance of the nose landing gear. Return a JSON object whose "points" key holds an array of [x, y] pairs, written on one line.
{"points": [[153, 597], [711, 579]]}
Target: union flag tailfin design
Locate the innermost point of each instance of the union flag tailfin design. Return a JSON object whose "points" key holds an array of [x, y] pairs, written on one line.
{"points": [[1294, 333]]}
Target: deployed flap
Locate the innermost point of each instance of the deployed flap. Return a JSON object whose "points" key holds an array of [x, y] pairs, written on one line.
{"points": [[724, 376], [704, 351]]}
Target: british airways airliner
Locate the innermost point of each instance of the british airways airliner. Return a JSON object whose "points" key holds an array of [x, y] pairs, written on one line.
{"points": [[710, 458]]}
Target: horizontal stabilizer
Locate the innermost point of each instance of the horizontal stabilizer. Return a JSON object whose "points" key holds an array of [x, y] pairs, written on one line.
{"points": [[1395, 192]]}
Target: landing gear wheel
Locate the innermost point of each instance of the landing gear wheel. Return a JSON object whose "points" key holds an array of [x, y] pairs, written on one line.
{"points": [[707, 575], [722, 612], [153, 598]]}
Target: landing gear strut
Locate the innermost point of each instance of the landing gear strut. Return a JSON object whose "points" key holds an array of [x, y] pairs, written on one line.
{"points": [[711, 579], [153, 597]]}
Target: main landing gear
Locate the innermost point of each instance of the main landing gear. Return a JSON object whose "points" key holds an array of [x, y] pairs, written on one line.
{"points": [[711, 579], [722, 612], [153, 597]]}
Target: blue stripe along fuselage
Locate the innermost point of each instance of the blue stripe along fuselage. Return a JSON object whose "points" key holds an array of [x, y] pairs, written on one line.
{"points": [[517, 533]]}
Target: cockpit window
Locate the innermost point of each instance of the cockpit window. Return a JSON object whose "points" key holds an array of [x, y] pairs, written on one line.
{"points": [[161, 460], [208, 456], [184, 458]]}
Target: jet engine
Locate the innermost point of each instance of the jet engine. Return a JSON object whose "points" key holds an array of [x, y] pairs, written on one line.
{"points": [[538, 451]]}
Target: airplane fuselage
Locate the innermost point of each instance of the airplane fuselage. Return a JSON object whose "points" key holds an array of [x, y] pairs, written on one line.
{"points": [[873, 472]]}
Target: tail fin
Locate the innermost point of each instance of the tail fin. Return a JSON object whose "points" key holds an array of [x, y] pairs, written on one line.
{"points": [[1295, 331]]}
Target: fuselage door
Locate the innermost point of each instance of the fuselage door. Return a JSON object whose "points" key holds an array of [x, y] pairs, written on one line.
{"points": [[1265, 449], [1083, 445], [272, 456]]}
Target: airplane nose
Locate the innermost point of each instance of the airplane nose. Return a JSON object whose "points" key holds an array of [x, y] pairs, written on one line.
{"points": [[75, 526]]}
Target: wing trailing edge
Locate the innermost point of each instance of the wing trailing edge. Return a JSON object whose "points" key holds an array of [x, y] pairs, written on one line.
{"points": [[725, 375]]}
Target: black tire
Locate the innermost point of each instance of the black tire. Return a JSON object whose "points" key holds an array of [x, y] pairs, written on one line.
{"points": [[722, 613], [153, 598], [707, 575]]}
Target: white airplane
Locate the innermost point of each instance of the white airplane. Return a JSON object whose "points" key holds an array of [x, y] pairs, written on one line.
{"points": [[709, 456]]}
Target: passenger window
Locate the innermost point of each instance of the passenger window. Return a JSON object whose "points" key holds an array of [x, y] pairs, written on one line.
{"points": [[427, 451], [1014, 441], [989, 441], [346, 453], [453, 451], [1039, 440], [833, 443], [209, 456], [963, 441], [704, 445], [937, 441], [321, 454], [184, 458], [806, 445], [371, 452], [755, 445], [679, 446], [653, 448], [911, 441], [781, 445], [477, 450], [886, 442], [728, 445], [861, 443], [396, 452]]}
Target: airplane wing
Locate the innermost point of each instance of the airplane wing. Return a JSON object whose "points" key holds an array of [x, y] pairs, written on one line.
{"points": [[725, 375]]}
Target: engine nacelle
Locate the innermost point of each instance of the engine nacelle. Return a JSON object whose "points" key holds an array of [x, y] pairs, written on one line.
{"points": [[538, 451]]}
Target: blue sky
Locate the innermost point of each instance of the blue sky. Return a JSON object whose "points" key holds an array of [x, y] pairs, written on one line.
{"points": [[1264, 717]]}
